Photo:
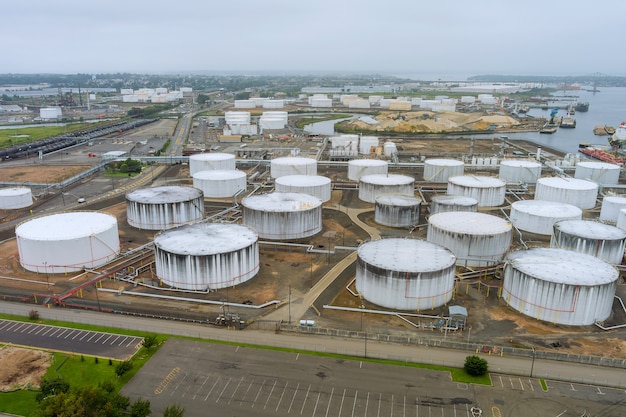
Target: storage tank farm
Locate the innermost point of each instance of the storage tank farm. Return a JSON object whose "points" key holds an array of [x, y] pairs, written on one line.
{"points": [[375, 185], [591, 237], [577, 192], [220, 183], [610, 208], [315, 185], [368, 145], [283, 216], [397, 210], [621, 219], [442, 203], [476, 239], [519, 171], [405, 274], [539, 216], [598, 172], [67, 242], [15, 198], [440, 170], [292, 165], [164, 207], [211, 161], [559, 285], [488, 191], [358, 168], [206, 256]]}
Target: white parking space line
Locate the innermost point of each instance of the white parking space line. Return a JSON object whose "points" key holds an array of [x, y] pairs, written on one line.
{"points": [[319, 394], [391, 405], [201, 386], [305, 397], [179, 384], [106, 340], [269, 395], [257, 394], [123, 340], [356, 394], [281, 396], [72, 331], [101, 336], [343, 397], [223, 389], [62, 333], [244, 395], [132, 342], [234, 392], [17, 329], [33, 328], [115, 340], [92, 336], [214, 384], [330, 400], [367, 403], [600, 391], [417, 407], [186, 391], [294, 397], [572, 386], [48, 329]]}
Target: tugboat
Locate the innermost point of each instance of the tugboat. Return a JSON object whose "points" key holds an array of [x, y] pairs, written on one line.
{"points": [[582, 106], [552, 124]]}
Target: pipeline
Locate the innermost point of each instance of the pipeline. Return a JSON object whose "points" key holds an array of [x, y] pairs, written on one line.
{"points": [[619, 326]]}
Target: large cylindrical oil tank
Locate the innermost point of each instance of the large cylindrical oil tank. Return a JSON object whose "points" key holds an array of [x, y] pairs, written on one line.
{"points": [[368, 145], [579, 193], [15, 198], [389, 148], [220, 183], [611, 205], [440, 170], [211, 161], [314, 185], [67, 242], [358, 168], [477, 239], [489, 191], [594, 238], [373, 186], [559, 286], [281, 216], [206, 256], [539, 216], [397, 210], [621, 219], [598, 172], [441, 203], [518, 171], [405, 274], [293, 165], [164, 207]]}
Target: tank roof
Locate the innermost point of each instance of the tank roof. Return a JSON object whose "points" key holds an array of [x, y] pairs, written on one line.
{"points": [[563, 266], [598, 165], [547, 208], [444, 162], [293, 160], [281, 202], [590, 229], [304, 180], [387, 179], [219, 174], [455, 199], [367, 162], [398, 200], [477, 181], [567, 183], [211, 156], [469, 222], [13, 191], [164, 194], [520, 163], [206, 239], [615, 199], [406, 255], [63, 226]]}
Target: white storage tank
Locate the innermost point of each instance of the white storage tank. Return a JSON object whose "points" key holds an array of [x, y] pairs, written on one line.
{"points": [[373, 186], [206, 256], [477, 239], [389, 148], [559, 286], [577, 192], [15, 198], [621, 219], [220, 183], [442, 203], [611, 207], [489, 191], [539, 216], [368, 145], [314, 185], [211, 161], [293, 165], [282, 216], [345, 142], [518, 171], [397, 210], [66, 242], [360, 167], [164, 207], [594, 238], [405, 274], [440, 170], [598, 172]]}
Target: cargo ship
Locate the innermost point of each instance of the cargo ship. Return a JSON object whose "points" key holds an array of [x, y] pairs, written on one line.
{"points": [[601, 154], [582, 106]]}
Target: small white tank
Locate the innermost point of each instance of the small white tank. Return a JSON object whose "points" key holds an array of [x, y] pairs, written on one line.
{"points": [[598, 172], [621, 219], [220, 183], [489, 191], [373, 186], [315, 185], [579, 193], [539, 216], [368, 145], [519, 171], [594, 238], [15, 198], [397, 210], [211, 161], [611, 206], [293, 165], [361, 167], [389, 148], [440, 170], [441, 203]]}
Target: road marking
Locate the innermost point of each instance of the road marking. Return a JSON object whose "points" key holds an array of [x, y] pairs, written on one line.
{"points": [[316, 402], [223, 389], [236, 388], [356, 394], [257, 394], [495, 411], [367, 403], [214, 384], [101, 336], [297, 356], [165, 382], [237, 350], [522, 384], [77, 334], [391, 405], [281, 396], [33, 329], [380, 397], [201, 386], [600, 391], [343, 397], [19, 327], [105, 340], [572, 386], [417, 407], [293, 398], [269, 395], [114, 340], [179, 384], [329, 401], [305, 398], [244, 395], [92, 336]]}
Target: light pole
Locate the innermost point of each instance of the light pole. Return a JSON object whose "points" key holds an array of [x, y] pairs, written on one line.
{"points": [[45, 266], [364, 333], [532, 364], [290, 304]]}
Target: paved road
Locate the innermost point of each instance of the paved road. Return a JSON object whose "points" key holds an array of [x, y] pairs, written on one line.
{"points": [[555, 370]]}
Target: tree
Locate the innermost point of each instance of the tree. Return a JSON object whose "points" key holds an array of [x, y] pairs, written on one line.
{"points": [[140, 408], [52, 386], [475, 366], [85, 402], [202, 98], [150, 341], [123, 367], [174, 411]]}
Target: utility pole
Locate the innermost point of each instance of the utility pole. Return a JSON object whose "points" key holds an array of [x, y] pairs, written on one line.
{"points": [[532, 365], [290, 304]]}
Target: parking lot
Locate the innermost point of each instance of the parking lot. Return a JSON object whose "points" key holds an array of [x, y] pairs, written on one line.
{"points": [[63, 339]]}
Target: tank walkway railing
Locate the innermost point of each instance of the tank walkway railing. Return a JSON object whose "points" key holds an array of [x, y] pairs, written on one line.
{"points": [[448, 343]]}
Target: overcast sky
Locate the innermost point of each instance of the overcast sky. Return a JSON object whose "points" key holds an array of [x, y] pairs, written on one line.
{"points": [[419, 37]]}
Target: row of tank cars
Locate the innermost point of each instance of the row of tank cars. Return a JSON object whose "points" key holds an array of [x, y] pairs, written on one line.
{"points": [[66, 140]]}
